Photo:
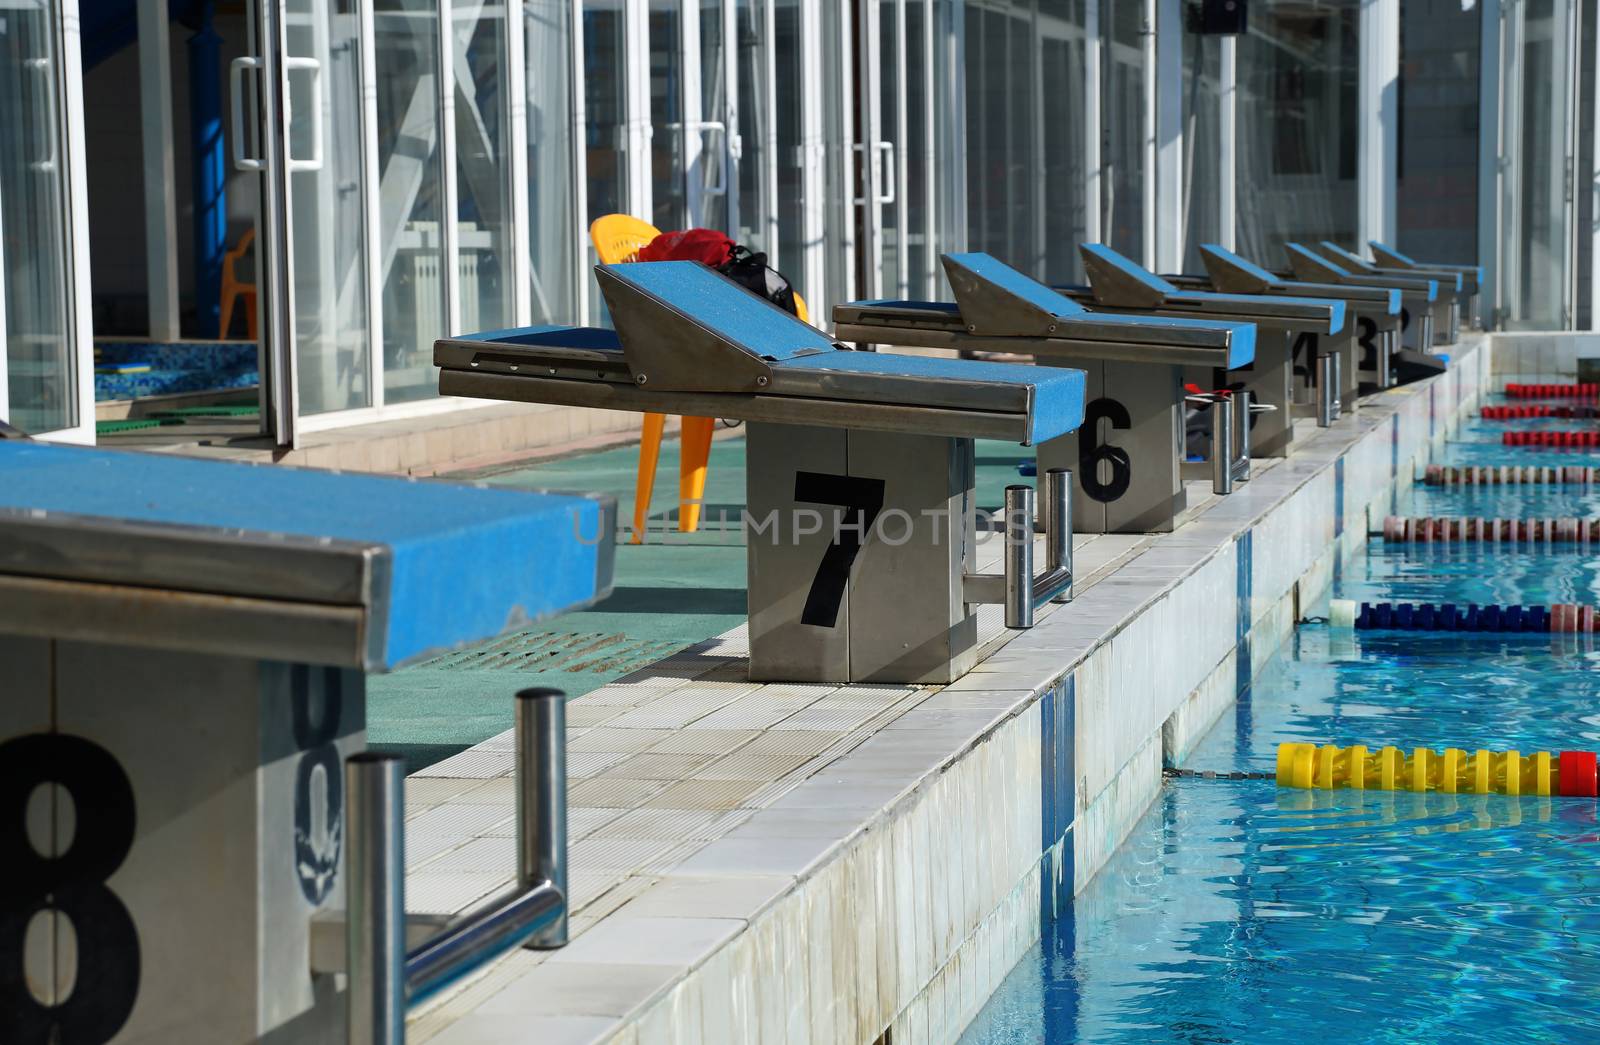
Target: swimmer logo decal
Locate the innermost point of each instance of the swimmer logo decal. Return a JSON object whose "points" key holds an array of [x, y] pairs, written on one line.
{"points": [[317, 695]]}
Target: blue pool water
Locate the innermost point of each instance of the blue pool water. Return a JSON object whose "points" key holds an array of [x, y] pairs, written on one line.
{"points": [[1238, 912]]}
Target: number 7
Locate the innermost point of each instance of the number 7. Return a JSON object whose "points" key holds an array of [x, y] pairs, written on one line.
{"points": [[865, 498]]}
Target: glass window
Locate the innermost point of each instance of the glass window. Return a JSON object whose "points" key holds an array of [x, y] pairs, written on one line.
{"points": [[328, 219], [411, 194], [669, 207], [916, 154], [604, 107], [34, 287], [891, 88], [1062, 138], [755, 126], [548, 25], [483, 203], [791, 152], [1536, 229], [710, 143], [1202, 155], [1122, 127], [1436, 216], [1025, 134], [1298, 68], [1001, 134]]}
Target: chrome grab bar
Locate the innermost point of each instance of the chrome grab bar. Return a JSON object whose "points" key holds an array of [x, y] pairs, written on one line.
{"points": [[1230, 429], [1329, 406], [384, 978], [1019, 589]]}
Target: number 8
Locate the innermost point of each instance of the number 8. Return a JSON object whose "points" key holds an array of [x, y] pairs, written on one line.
{"points": [[74, 884]]}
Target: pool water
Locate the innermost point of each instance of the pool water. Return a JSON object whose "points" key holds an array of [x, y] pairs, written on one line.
{"points": [[1239, 912]]}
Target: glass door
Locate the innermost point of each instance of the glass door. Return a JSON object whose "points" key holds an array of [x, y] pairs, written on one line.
{"points": [[1122, 127], [1538, 104], [332, 315], [695, 144], [753, 130], [45, 341], [880, 120], [302, 91]]}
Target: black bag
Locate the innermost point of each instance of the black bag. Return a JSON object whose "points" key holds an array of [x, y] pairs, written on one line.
{"points": [[751, 271]]}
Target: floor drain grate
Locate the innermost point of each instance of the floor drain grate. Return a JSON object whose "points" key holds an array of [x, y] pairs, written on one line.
{"points": [[567, 651]]}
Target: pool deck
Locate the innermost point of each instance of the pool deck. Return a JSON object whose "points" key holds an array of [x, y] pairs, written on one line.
{"points": [[827, 863]]}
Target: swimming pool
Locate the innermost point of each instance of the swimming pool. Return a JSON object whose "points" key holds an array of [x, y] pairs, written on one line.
{"points": [[1240, 912]]}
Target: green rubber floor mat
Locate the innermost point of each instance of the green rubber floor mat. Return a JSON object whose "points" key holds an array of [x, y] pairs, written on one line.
{"points": [[131, 424], [224, 410]]}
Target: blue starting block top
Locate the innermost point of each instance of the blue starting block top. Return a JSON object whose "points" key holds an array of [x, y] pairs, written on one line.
{"points": [[1241, 346], [997, 272], [459, 563], [722, 305], [1121, 263], [1454, 279], [1057, 391], [1163, 287], [1240, 262]]}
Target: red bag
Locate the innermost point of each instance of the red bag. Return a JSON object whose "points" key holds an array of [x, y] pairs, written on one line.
{"points": [[707, 246]]}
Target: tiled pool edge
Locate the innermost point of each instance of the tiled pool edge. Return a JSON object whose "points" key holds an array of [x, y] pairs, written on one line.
{"points": [[909, 922]]}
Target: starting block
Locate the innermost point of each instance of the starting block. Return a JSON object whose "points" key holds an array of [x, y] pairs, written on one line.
{"points": [[1116, 284], [185, 646], [1365, 353], [1419, 296], [1446, 311], [1388, 260], [1135, 364], [860, 467]]}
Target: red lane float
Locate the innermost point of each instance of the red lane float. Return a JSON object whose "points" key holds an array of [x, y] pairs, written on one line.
{"points": [[1510, 475], [1521, 412], [1585, 391], [1568, 440], [1447, 529], [1577, 775]]}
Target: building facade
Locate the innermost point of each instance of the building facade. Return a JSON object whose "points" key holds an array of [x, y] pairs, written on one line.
{"points": [[384, 172]]}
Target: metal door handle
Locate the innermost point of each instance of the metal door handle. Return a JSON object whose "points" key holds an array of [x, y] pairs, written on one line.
{"points": [[887, 172], [721, 187], [41, 66], [236, 70], [314, 162]]}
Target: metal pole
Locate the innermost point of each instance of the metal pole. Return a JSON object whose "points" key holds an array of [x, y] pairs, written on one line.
{"points": [[1058, 524], [1222, 446], [1019, 556], [375, 899], [1241, 432], [542, 801], [1327, 390]]}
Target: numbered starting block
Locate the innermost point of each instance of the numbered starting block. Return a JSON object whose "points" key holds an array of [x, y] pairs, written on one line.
{"points": [[1364, 354], [1387, 259], [1419, 296], [185, 646], [1116, 284], [1452, 296], [1130, 457], [861, 522]]}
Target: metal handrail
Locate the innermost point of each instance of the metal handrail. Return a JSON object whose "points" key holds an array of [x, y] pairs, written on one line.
{"points": [[384, 979]]}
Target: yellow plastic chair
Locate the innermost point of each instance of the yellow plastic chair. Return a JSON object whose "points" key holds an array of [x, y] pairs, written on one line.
{"points": [[617, 239], [233, 289]]}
